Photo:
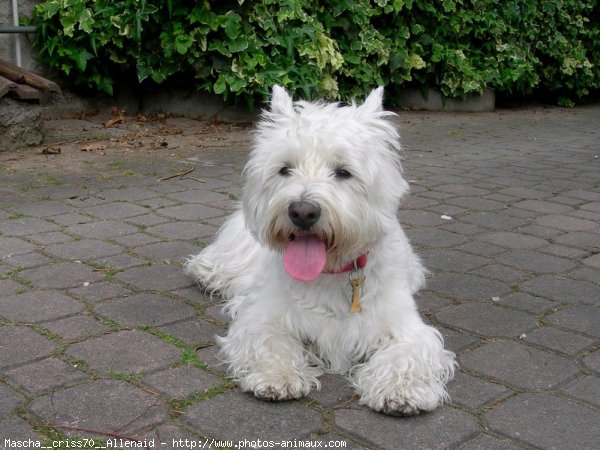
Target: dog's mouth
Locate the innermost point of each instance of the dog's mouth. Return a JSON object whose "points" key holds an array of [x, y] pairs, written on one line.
{"points": [[305, 256]]}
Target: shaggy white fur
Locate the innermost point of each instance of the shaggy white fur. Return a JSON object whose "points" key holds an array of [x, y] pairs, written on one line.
{"points": [[322, 187]]}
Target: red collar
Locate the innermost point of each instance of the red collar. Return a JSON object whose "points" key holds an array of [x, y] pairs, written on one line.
{"points": [[359, 263]]}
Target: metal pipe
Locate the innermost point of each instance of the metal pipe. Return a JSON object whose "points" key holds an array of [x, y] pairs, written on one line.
{"points": [[15, 9], [20, 29]]}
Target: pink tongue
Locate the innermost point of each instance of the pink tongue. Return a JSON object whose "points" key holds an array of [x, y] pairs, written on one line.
{"points": [[304, 258]]}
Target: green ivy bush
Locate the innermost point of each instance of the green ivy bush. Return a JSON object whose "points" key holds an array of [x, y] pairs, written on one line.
{"points": [[332, 49]]}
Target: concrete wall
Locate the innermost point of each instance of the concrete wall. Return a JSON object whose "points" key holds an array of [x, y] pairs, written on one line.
{"points": [[7, 41]]}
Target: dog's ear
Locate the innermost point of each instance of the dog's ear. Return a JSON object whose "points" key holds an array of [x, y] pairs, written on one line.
{"points": [[281, 102], [373, 103]]}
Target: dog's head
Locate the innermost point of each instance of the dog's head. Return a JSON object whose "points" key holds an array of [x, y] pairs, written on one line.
{"points": [[323, 182]]}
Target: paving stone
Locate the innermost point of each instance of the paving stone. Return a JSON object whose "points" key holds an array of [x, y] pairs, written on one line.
{"points": [[593, 361], [120, 262], [429, 302], [434, 237], [593, 261], [147, 220], [32, 307], [580, 239], [580, 318], [458, 342], [125, 351], [44, 208], [586, 274], [97, 292], [61, 276], [566, 223], [526, 302], [487, 319], [500, 273], [162, 277], [563, 289], [116, 210], [535, 262], [564, 251], [494, 220], [76, 327], [27, 260], [420, 218], [195, 295], [101, 230], [512, 240], [19, 345], [335, 390], [442, 428], [473, 392], [519, 365], [156, 203], [175, 251], [583, 194], [592, 206], [193, 332], [482, 249], [476, 203], [466, 287], [182, 230], [210, 357], [51, 237], [136, 239], [126, 410], [16, 429], [43, 375], [182, 381], [562, 341], [525, 193], [238, 416], [25, 226], [216, 314], [194, 212], [10, 246], [487, 442], [71, 219], [10, 287], [586, 389], [542, 206], [130, 194], [83, 250], [450, 260], [9, 400], [545, 421], [145, 309], [465, 229]]}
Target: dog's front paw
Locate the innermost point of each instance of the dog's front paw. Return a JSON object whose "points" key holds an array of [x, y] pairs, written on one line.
{"points": [[393, 406], [280, 391], [404, 385], [271, 388]]}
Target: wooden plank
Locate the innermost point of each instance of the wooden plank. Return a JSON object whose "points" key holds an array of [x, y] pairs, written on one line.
{"points": [[26, 92], [5, 86], [22, 76]]}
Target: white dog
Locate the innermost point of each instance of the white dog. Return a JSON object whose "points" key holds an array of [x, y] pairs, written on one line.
{"points": [[317, 272]]}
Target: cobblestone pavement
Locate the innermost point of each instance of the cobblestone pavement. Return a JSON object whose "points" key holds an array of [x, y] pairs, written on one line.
{"points": [[103, 337]]}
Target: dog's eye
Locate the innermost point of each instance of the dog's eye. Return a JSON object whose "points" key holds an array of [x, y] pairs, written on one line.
{"points": [[285, 171], [342, 174]]}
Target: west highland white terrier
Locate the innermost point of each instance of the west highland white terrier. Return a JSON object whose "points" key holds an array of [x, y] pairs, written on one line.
{"points": [[317, 272]]}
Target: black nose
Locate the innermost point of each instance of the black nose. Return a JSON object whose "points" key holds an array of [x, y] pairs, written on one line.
{"points": [[304, 214]]}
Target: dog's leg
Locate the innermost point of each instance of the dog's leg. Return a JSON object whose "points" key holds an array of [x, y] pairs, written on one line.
{"points": [[267, 360], [228, 265], [407, 373]]}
